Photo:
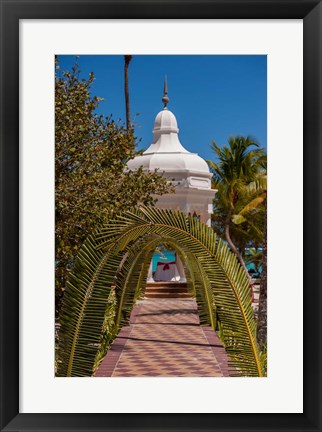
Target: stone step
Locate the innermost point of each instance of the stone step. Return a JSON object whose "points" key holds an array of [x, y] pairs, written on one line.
{"points": [[166, 284], [167, 289], [167, 295], [171, 289]]}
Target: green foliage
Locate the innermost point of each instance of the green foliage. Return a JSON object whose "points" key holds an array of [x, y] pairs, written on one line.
{"points": [[129, 280], [108, 330], [254, 257], [240, 176], [84, 308], [253, 204], [118, 256], [238, 165], [90, 176]]}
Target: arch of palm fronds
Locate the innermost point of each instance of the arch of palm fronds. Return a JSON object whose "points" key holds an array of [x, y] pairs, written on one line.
{"points": [[117, 257]]}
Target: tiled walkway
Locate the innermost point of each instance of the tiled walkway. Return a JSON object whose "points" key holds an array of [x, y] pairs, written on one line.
{"points": [[165, 339]]}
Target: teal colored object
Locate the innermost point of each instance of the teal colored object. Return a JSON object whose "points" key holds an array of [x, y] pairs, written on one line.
{"points": [[169, 256], [166, 257]]}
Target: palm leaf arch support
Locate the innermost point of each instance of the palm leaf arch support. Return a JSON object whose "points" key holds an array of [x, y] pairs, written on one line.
{"points": [[117, 257], [132, 280]]}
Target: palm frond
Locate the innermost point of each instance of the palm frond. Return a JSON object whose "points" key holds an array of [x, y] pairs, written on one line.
{"points": [[258, 185], [230, 281], [129, 279], [198, 285], [84, 308], [252, 205], [219, 281]]}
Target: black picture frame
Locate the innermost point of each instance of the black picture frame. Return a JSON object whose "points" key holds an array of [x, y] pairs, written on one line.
{"points": [[11, 12]]}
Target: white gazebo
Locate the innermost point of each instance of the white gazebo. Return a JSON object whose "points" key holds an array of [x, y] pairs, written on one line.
{"points": [[187, 171]]}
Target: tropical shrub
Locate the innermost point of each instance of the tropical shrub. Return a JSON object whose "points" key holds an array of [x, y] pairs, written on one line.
{"points": [[238, 165]]}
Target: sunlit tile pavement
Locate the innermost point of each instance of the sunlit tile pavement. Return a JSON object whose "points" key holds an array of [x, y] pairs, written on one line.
{"points": [[165, 339]]}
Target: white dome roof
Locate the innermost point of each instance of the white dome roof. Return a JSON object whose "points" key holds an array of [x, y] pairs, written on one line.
{"points": [[167, 154]]}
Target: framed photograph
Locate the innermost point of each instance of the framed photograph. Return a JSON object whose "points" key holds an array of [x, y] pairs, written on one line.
{"points": [[288, 36]]}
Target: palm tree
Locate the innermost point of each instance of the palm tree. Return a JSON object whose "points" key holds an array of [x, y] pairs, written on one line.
{"points": [[258, 193], [238, 165], [127, 59]]}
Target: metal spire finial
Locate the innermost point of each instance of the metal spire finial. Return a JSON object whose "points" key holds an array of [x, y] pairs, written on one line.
{"points": [[165, 99]]}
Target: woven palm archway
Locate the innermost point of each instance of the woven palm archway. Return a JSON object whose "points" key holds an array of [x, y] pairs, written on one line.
{"points": [[117, 258]]}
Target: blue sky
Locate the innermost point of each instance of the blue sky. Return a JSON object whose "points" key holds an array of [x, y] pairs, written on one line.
{"points": [[212, 96]]}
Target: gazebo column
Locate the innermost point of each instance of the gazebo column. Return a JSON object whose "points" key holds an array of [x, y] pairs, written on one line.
{"points": [[180, 269], [150, 274]]}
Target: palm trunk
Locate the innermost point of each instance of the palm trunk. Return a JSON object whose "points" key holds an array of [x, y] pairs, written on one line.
{"points": [[230, 242], [262, 307], [127, 59]]}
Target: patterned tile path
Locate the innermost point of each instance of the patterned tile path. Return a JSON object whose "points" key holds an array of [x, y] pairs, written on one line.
{"points": [[165, 339]]}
